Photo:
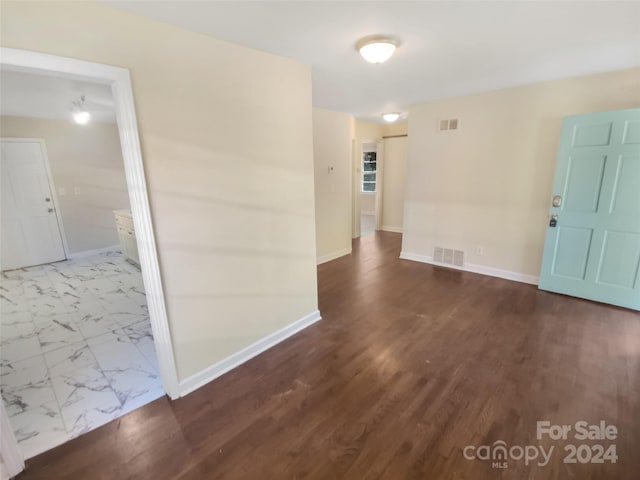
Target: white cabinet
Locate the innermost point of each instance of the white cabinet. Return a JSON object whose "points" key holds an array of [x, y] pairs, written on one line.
{"points": [[127, 235]]}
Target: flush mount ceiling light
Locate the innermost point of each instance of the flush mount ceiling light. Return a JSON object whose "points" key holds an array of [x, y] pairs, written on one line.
{"points": [[80, 114], [377, 48], [390, 117]]}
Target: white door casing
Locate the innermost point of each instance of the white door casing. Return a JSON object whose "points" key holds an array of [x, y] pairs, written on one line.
{"points": [[379, 183], [357, 185], [12, 458], [119, 80]]}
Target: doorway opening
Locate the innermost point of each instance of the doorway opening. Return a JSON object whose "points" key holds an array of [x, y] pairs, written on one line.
{"points": [[368, 189], [367, 194], [84, 330]]}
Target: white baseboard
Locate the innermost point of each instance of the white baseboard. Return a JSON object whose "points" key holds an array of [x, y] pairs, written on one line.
{"points": [[97, 251], [470, 267], [333, 256], [198, 380], [389, 228]]}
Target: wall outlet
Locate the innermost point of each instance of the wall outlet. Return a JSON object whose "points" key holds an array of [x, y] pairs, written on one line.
{"points": [[330, 169], [479, 250]]}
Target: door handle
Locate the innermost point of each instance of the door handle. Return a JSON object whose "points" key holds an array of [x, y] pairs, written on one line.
{"points": [[50, 210], [557, 201], [47, 199], [553, 221]]}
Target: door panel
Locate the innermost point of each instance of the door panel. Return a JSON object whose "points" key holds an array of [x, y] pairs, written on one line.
{"points": [[588, 135], [593, 251], [584, 179], [625, 197], [619, 259], [30, 233], [631, 133], [572, 252]]}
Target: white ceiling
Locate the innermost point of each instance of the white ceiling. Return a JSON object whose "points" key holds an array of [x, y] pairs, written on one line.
{"points": [[448, 48], [30, 95]]}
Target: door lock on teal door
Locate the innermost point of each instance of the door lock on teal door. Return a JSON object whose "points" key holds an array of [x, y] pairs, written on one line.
{"points": [[592, 244]]}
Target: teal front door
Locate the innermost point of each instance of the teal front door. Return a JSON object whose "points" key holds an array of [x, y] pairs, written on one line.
{"points": [[592, 246]]}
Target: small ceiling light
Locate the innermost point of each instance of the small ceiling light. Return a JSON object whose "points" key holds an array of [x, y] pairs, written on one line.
{"points": [[377, 48], [391, 117], [81, 118], [80, 114]]}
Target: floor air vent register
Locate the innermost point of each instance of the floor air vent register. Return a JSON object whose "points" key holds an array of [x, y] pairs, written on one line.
{"points": [[448, 256]]}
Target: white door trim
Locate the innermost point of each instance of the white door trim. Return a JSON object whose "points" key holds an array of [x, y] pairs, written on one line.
{"points": [[379, 184], [52, 185], [12, 458], [356, 180], [120, 82], [358, 177]]}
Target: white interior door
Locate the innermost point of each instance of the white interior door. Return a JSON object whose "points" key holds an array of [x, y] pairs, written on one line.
{"points": [[30, 233]]}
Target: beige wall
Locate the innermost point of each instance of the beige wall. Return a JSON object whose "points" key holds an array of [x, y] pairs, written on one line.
{"points": [[395, 129], [375, 131], [489, 183], [227, 142], [368, 131], [395, 165], [84, 156], [332, 148]]}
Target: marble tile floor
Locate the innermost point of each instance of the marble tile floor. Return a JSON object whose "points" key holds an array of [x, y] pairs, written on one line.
{"points": [[76, 348]]}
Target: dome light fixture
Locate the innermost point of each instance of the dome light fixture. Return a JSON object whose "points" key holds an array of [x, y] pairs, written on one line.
{"points": [[377, 48], [390, 117], [79, 113]]}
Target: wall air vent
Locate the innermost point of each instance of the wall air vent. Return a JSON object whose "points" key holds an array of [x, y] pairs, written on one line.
{"points": [[448, 124], [448, 256], [458, 258]]}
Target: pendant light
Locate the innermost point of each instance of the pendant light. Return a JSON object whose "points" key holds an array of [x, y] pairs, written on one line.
{"points": [[79, 113]]}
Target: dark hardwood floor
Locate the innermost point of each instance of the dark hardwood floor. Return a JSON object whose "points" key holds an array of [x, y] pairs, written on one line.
{"points": [[410, 364]]}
